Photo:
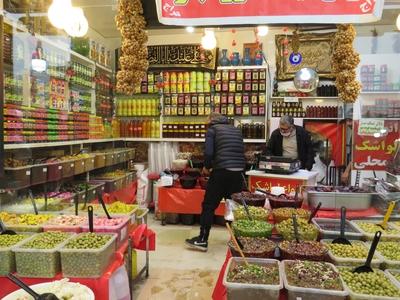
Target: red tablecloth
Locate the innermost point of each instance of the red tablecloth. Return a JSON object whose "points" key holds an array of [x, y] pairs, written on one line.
{"points": [[183, 201], [99, 286]]}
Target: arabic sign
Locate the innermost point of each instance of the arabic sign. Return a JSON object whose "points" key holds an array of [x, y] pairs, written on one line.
{"points": [[184, 56], [222, 12], [371, 126], [371, 153], [265, 183]]}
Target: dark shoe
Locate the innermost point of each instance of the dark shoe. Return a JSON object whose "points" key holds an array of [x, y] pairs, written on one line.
{"points": [[197, 243]]}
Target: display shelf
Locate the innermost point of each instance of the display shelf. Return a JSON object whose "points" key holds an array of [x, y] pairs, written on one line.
{"points": [[242, 67], [379, 92], [56, 144], [316, 119], [381, 118], [104, 68], [305, 98]]}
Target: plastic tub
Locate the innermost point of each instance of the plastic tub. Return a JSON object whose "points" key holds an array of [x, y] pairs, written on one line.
{"points": [[335, 200], [353, 262], [38, 263], [355, 296], [390, 273], [18, 177], [89, 163], [296, 293], [49, 226], [54, 171], [370, 236], [39, 174], [7, 258], [99, 160], [87, 263], [330, 229], [121, 230], [68, 168], [241, 291], [79, 166], [388, 263]]}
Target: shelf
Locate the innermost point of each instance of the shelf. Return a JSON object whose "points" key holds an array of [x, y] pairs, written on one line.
{"points": [[306, 98], [379, 92], [336, 119], [380, 118], [242, 67], [107, 69]]}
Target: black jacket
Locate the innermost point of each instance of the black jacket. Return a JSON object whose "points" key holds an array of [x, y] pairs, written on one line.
{"points": [[224, 148], [304, 146]]}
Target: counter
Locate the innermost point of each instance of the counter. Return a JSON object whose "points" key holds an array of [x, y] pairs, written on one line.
{"points": [[262, 180]]}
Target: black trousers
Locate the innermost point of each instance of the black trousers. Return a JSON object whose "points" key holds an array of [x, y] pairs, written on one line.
{"points": [[221, 184]]}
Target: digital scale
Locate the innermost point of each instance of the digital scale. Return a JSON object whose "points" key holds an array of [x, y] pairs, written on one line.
{"points": [[278, 164]]}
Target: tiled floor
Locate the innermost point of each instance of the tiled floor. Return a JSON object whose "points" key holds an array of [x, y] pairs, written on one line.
{"points": [[179, 273]]}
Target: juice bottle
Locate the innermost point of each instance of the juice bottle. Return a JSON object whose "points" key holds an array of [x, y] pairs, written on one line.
{"points": [[157, 129], [140, 128]]}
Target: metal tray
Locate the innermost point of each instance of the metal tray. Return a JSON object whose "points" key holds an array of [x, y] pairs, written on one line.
{"points": [[335, 200]]}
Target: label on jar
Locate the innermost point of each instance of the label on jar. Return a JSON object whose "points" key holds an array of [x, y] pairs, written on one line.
{"points": [[246, 99], [254, 110], [254, 99], [261, 110], [239, 87], [181, 111], [167, 100], [201, 99], [225, 86], [231, 98], [224, 109], [181, 99], [218, 87], [28, 173], [201, 110], [261, 98], [238, 99], [225, 75], [254, 86], [188, 111], [262, 75], [239, 75], [247, 86], [167, 110], [247, 75], [217, 109], [174, 99], [261, 86], [194, 111], [207, 110], [218, 75], [232, 75], [174, 110], [207, 99], [232, 86], [194, 99], [187, 99], [238, 110], [217, 99], [255, 75], [173, 87], [231, 110], [246, 110], [224, 99]]}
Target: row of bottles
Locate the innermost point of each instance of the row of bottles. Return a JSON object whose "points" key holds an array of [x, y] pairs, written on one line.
{"points": [[324, 112], [294, 109], [184, 130], [56, 64], [252, 130], [82, 75], [13, 92], [185, 82], [138, 107], [144, 128]]}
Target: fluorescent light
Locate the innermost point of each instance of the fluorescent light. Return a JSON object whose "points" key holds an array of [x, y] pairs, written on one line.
{"points": [[262, 30], [190, 29]]}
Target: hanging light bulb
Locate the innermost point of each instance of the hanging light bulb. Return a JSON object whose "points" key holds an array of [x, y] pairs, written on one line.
{"points": [[77, 25], [59, 12], [262, 30], [398, 22], [208, 41]]}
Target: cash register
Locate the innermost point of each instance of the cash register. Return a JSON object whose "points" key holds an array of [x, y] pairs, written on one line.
{"points": [[278, 164]]}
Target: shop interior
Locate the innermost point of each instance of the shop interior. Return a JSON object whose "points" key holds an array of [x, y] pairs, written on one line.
{"points": [[103, 127]]}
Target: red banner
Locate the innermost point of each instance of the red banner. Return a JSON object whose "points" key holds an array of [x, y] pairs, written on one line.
{"points": [[221, 12], [371, 152]]}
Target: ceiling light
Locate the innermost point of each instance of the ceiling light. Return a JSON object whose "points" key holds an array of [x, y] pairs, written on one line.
{"points": [[262, 30], [398, 22], [190, 29], [77, 24], [208, 41], [58, 13]]}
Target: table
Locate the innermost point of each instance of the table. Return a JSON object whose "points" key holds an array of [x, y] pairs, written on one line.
{"points": [[183, 201], [264, 181]]}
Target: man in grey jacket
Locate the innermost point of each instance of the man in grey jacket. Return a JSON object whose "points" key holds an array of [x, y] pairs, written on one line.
{"points": [[224, 160]]}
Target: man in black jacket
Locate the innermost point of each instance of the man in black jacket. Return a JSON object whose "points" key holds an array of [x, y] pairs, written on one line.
{"points": [[224, 159], [291, 141]]}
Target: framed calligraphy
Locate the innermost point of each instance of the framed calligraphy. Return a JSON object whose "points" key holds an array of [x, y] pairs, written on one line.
{"points": [[181, 56], [316, 50]]}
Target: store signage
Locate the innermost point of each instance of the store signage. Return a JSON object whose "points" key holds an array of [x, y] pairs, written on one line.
{"points": [[184, 56], [371, 152], [220, 12], [291, 99], [266, 183], [371, 127]]}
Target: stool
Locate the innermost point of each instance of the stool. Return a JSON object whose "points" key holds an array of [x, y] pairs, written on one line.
{"points": [[152, 177]]}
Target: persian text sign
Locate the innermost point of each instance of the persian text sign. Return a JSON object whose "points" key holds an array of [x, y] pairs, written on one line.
{"points": [[220, 12], [371, 153]]}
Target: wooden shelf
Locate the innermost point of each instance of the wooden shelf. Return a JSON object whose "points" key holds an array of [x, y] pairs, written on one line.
{"points": [[242, 67], [306, 98], [379, 92], [104, 68]]}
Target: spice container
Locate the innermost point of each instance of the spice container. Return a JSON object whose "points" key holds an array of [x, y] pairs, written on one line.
{"points": [[99, 160], [311, 285], [79, 167], [244, 290], [18, 177], [38, 256], [68, 168], [38, 174], [90, 260]]}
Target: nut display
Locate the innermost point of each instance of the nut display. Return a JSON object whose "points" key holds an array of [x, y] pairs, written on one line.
{"points": [[87, 255], [284, 213], [310, 274], [254, 274], [307, 250], [247, 228], [372, 284], [256, 213], [307, 232], [389, 250], [38, 257], [254, 247]]}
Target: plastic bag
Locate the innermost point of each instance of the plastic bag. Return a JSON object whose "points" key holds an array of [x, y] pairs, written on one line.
{"points": [[142, 191], [230, 207]]}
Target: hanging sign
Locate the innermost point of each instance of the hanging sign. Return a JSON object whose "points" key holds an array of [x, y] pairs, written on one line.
{"points": [[372, 152], [225, 12]]}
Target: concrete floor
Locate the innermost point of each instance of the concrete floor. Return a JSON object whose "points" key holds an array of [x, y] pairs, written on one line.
{"points": [[177, 272]]}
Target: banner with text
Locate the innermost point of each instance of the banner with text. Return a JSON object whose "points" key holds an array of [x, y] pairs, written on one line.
{"points": [[222, 12], [372, 150]]}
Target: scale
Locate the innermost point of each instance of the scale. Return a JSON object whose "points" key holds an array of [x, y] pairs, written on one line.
{"points": [[278, 164]]}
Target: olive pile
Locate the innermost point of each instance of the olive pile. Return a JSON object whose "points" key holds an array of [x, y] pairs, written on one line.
{"points": [[396, 275], [10, 240], [87, 255], [307, 232], [284, 213], [88, 241], [372, 228], [256, 213], [390, 250], [38, 256], [374, 283], [254, 274], [355, 250], [46, 240], [252, 228]]}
